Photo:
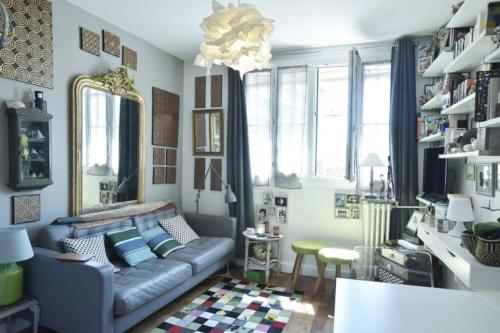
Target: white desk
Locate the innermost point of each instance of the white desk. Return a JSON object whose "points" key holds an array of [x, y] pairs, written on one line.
{"points": [[365, 306]]}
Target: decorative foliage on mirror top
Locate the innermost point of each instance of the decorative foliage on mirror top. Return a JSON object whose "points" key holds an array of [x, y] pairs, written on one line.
{"points": [[117, 80], [28, 55]]}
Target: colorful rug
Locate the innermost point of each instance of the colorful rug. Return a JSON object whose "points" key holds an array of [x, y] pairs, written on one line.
{"points": [[235, 306]]}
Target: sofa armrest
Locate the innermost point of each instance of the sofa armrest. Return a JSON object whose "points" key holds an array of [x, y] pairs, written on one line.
{"points": [[73, 296], [214, 226]]}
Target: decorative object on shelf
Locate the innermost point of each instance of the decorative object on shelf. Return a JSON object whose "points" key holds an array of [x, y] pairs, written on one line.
{"points": [[5, 32], [236, 36], [372, 160], [390, 180], [110, 43], [459, 211], [32, 26], [229, 197], [129, 58], [159, 156], [488, 251], [117, 81], [25, 208], [29, 149], [165, 118], [260, 251], [39, 103], [486, 175], [425, 56], [159, 175], [15, 246], [90, 41]]}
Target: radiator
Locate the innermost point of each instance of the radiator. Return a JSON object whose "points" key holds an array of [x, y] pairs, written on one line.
{"points": [[376, 221]]}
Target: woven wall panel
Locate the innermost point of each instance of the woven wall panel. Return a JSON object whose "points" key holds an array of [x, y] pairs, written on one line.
{"points": [[200, 84], [171, 175], [215, 183], [159, 175], [110, 43], [129, 58], [216, 91], [165, 118], [90, 41], [199, 173]]}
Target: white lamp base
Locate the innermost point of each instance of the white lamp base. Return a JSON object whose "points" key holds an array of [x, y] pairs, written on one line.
{"points": [[457, 230]]}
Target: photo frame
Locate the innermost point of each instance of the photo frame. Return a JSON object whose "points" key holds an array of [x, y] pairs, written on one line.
{"points": [[340, 200], [25, 208], [267, 198], [486, 178], [412, 225], [355, 212], [280, 200], [261, 214], [423, 64], [353, 199], [342, 213], [282, 214]]}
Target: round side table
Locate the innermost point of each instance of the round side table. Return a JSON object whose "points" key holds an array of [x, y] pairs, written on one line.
{"points": [[270, 261]]}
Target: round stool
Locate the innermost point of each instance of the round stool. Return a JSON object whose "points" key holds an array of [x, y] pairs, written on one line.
{"points": [[337, 257], [305, 247]]}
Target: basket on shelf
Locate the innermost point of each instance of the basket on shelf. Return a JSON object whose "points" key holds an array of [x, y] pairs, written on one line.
{"points": [[469, 241], [488, 251]]}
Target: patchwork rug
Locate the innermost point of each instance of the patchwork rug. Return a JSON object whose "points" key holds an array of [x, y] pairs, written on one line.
{"points": [[235, 306]]}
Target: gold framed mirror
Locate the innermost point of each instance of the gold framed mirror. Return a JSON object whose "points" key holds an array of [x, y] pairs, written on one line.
{"points": [[108, 120], [208, 132]]}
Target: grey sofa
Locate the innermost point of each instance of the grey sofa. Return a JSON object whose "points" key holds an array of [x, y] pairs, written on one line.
{"points": [[89, 297]]}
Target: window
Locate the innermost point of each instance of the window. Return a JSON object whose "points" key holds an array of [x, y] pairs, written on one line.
{"points": [[258, 92], [375, 118], [331, 128]]}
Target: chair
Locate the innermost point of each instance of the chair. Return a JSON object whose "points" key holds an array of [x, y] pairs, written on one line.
{"points": [[305, 247]]}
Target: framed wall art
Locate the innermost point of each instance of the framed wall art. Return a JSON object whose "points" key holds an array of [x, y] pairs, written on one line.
{"points": [[486, 177], [25, 208], [90, 41], [110, 43]]}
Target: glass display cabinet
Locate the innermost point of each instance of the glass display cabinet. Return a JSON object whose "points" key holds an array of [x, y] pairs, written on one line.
{"points": [[29, 149]]}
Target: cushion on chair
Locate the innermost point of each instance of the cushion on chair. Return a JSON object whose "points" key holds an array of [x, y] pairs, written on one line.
{"points": [[335, 256], [130, 246], [179, 229], [138, 285], [203, 252], [90, 245], [307, 246], [160, 241]]}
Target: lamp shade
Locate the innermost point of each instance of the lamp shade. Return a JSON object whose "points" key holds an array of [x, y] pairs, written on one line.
{"points": [[15, 245], [459, 208], [372, 160], [230, 196]]}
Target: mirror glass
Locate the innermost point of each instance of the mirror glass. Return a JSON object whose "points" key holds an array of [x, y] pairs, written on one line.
{"points": [[207, 132], [110, 139]]}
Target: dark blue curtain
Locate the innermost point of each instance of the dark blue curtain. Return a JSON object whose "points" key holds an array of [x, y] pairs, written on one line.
{"points": [[403, 132], [238, 159], [128, 148]]}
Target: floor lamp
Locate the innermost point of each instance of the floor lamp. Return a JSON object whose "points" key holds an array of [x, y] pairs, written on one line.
{"points": [[230, 197]]}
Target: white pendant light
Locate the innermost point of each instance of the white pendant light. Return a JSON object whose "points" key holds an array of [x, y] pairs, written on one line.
{"points": [[236, 36]]}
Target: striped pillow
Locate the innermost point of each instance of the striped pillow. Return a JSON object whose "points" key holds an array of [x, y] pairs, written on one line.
{"points": [[130, 246], [160, 241]]}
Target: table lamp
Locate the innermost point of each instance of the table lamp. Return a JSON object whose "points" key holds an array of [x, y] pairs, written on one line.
{"points": [[459, 210], [15, 246], [372, 160]]}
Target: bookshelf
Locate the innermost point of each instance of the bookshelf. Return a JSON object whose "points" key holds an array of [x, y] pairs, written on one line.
{"points": [[473, 56], [466, 15], [464, 106], [434, 103], [436, 69], [436, 137]]}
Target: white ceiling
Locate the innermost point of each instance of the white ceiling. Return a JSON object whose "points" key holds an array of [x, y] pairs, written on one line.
{"points": [[173, 25]]}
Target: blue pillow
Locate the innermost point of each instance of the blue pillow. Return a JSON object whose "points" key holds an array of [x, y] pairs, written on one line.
{"points": [[130, 246], [160, 241]]}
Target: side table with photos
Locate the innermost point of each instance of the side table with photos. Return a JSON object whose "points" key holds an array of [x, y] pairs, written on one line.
{"points": [[262, 257]]}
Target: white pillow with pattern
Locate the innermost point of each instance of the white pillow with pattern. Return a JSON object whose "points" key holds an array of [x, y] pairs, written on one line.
{"points": [[91, 246], [179, 229]]}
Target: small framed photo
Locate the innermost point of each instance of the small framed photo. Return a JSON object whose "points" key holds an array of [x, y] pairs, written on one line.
{"points": [[412, 225], [355, 212], [281, 200], [25, 208], [261, 214], [267, 198], [104, 197], [469, 171], [342, 213], [486, 177], [271, 213], [103, 186], [340, 200], [353, 199], [282, 214], [423, 64]]}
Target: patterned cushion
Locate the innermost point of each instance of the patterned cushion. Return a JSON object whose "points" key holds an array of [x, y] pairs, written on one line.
{"points": [[89, 245], [179, 229], [160, 241], [130, 246]]}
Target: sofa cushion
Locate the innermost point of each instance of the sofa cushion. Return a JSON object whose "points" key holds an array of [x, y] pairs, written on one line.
{"points": [[130, 246], [203, 252], [138, 285], [150, 220]]}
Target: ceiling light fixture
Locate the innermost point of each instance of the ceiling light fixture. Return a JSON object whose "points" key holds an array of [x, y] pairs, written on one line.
{"points": [[236, 36]]}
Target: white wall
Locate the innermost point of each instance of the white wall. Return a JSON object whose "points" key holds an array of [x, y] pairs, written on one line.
{"points": [[311, 210]]}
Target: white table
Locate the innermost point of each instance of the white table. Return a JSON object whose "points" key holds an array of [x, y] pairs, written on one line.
{"points": [[269, 261], [365, 306]]}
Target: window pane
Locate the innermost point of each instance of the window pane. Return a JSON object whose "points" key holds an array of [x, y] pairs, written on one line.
{"points": [[258, 104], [292, 91], [375, 120], [331, 135]]}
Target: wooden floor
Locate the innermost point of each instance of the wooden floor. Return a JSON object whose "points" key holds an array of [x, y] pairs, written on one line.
{"points": [[313, 315]]}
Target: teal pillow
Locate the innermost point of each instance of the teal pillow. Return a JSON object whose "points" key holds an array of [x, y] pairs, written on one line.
{"points": [[160, 241], [130, 246]]}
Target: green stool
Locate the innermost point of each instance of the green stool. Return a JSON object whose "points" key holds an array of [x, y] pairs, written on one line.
{"points": [[305, 247], [337, 257]]}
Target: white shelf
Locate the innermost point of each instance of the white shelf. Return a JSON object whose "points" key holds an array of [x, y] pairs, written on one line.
{"points": [[493, 56], [438, 65], [430, 203], [432, 138], [458, 259], [464, 106], [464, 154], [473, 56], [434, 103], [467, 14], [492, 123]]}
